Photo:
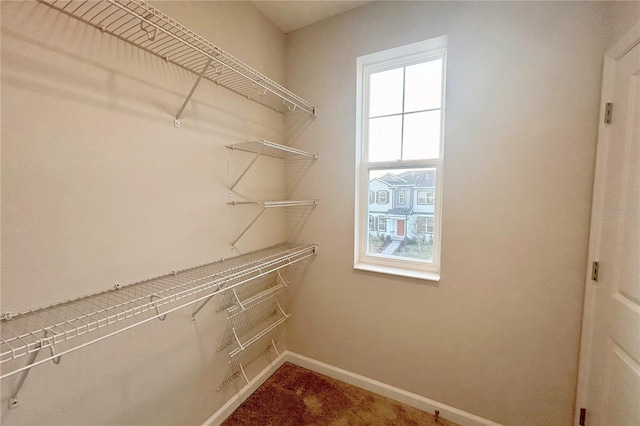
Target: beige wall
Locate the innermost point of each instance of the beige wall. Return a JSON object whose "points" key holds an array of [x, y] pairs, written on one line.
{"points": [[498, 336], [99, 187], [623, 14]]}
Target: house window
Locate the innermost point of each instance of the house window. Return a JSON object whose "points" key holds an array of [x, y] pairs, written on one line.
{"points": [[421, 225], [399, 137], [429, 221], [426, 197], [372, 223], [382, 224], [383, 197], [372, 197], [424, 225]]}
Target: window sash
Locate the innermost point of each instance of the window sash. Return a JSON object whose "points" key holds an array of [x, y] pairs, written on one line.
{"points": [[366, 65]]}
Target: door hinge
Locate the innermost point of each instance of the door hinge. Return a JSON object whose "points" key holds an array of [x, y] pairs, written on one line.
{"points": [[595, 267], [583, 416], [608, 107]]}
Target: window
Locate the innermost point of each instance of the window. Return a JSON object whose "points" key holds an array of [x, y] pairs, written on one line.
{"points": [[424, 225], [429, 225], [426, 197], [382, 224], [421, 225], [372, 197], [400, 141], [372, 223], [382, 197]]}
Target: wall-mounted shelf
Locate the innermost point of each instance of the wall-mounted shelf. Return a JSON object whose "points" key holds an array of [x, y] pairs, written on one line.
{"points": [[268, 205], [267, 148], [74, 324], [243, 346], [272, 149], [143, 26]]}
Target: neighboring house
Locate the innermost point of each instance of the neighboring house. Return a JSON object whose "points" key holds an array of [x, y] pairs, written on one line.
{"points": [[401, 205]]}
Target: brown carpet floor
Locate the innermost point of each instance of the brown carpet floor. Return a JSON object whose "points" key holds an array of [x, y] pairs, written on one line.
{"points": [[296, 396]]}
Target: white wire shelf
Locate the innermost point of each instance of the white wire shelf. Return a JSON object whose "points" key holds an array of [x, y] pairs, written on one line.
{"points": [[243, 346], [145, 27], [272, 149], [268, 205], [268, 148], [105, 314], [256, 299], [276, 204]]}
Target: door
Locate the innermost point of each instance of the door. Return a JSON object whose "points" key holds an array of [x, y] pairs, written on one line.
{"points": [[400, 228], [609, 382]]}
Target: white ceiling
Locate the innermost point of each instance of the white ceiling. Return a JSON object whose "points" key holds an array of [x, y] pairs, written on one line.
{"points": [[292, 15]]}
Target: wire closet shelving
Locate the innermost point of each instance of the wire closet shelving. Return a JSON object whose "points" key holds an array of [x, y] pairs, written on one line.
{"points": [[266, 148], [77, 323], [147, 28]]}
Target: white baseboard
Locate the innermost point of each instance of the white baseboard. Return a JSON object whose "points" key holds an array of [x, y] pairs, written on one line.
{"points": [[411, 399], [391, 392], [244, 393]]}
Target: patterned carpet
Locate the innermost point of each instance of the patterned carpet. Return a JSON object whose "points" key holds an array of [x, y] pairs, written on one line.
{"points": [[294, 396]]}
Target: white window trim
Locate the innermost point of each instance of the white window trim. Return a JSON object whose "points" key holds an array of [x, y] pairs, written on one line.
{"points": [[401, 196], [435, 47], [386, 196]]}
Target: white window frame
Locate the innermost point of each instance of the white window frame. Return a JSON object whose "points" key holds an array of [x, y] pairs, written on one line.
{"points": [[376, 62], [401, 199], [382, 223], [372, 197]]}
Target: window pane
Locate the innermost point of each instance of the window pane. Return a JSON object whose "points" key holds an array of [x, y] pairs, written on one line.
{"points": [[385, 93], [384, 138], [423, 86], [403, 231], [421, 135]]}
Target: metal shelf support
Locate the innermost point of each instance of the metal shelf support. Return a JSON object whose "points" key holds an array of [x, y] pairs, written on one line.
{"points": [[267, 205], [73, 324], [265, 147], [176, 121], [147, 28]]}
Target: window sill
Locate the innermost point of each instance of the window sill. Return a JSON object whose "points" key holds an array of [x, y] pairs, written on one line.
{"points": [[421, 275]]}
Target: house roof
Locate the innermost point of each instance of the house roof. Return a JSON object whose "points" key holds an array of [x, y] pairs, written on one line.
{"points": [[392, 179], [422, 178], [400, 211]]}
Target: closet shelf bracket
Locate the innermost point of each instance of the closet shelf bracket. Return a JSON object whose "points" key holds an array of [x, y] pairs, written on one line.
{"points": [[176, 121], [14, 401], [266, 148], [268, 205]]}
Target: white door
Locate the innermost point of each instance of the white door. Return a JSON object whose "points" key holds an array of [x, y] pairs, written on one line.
{"points": [[609, 382]]}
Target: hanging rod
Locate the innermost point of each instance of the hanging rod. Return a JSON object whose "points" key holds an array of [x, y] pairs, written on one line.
{"points": [[138, 303], [145, 27]]}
